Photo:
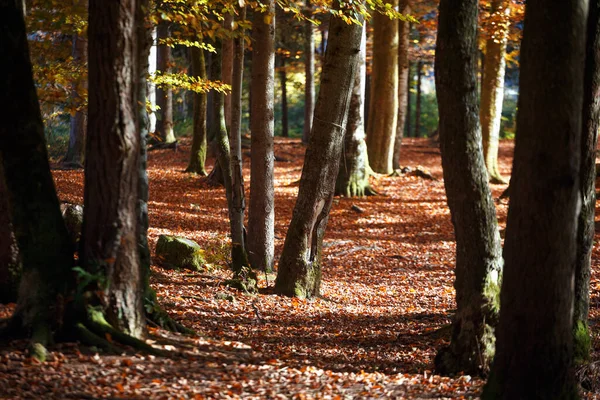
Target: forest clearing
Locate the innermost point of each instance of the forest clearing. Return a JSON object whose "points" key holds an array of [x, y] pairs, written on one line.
{"points": [[385, 306]]}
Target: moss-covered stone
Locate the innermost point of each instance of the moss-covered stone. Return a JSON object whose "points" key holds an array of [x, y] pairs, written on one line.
{"points": [[175, 252], [73, 216]]}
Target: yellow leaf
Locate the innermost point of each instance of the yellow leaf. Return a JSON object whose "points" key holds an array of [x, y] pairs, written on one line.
{"points": [[268, 18]]}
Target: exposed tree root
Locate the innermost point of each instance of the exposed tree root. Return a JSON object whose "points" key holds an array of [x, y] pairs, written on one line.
{"points": [[158, 316], [196, 169]]}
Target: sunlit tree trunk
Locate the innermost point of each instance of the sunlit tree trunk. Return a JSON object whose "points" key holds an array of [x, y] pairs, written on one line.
{"points": [[151, 87], [403, 88], [309, 74], [478, 250], [492, 88], [383, 108], [164, 95], [199, 137], [227, 67], [261, 214], [534, 352], [585, 224], [299, 272]]}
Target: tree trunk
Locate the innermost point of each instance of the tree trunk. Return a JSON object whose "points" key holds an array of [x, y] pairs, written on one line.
{"points": [[43, 241], [383, 110], [478, 249], [534, 355], [353, 175], [492, 88], [227, 67], [284, 106], [309, 74], [10, 263], [164, 95], [299, 271], [152, 56], [408, 102], [261, 215], [109, 239], [199, 138], [75, 151], [403, 87], [418, 100], [585, 224]]}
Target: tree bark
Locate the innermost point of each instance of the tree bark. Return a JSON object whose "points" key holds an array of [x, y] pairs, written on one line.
{"points": [[492, 89], [407, 122], [10, 263], [403, 87], [261, 215], [109, 239], [585, 223], [227, 67], [199, 137], [152, 56], [309, 74], [478, 249], [164, 95], [353, 175], [534, 355], [383, 110], [43, 241], [418, 100], [285, 132], [299, 271]]}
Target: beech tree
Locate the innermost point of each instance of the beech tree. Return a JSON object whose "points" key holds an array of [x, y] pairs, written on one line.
{"points": [[164, 94], [309, 74], [534, 352], [478, 250], [10, 264], [403, 79], [199, 134], [299, 272]]}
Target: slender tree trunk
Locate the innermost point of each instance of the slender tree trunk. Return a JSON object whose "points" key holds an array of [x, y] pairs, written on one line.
{"points": [[534, 352], [43, 241], [478, 249], [309, 74], [110, 237], [10, 263], [164, 95], [418, 100], [585, 224], [299, 271], [403, 88], [151, 87], [284, 105], [199, 138], [408, 101], [383, 110], [492, 89], [261, 215], [353, 175], [227, 67]]}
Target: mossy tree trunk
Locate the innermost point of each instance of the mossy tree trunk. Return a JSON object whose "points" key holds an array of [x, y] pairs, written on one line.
{"points": [[534, 352], [585, 223], [164, 95], [43, 241], [109, 247], [261, 214], [383, 107], [403, 87], [478, 249], [492, 86], [299, 271], [309, 74], [199, 137], [353, 175]]}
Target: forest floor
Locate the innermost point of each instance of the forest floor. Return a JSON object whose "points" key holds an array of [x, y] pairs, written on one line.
{"points": [[387, 290]]}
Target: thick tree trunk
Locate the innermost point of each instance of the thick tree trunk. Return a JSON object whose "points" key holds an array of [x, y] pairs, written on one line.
{"points": [[478, 249], [43, 241], [309, 74], [110, 237], [284, 105], [299, 271], [10, 263], [261, 215], [353, 175], [585, 224], [199, 137], [403, 88], [383, 110], [492, 88], [75, 151], [164, 95], [418, 99], [534, 352]]}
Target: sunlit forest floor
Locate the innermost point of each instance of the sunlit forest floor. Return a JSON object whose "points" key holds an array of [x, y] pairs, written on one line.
{"points": [[387, 295]]}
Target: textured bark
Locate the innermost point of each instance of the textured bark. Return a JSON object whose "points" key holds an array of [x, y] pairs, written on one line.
{"points": [[383, 109], [418, 99], [110, 236], [43, 241], [284, 106], [403, 87], [585, 223], [10, 263], [353, 175], [299, 271], [261, 214], [478, 250], [164, 95], [492, 91], [534, 354], [199, 137], [309, 75]]}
